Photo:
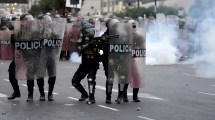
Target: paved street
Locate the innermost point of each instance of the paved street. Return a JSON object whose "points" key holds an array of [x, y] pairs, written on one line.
{"points": [[172, 92]]}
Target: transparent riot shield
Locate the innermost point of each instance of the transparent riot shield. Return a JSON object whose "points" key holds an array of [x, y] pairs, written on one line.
{"points": [[119, 57], [138, 58], [28, 46], [52, 37], [5, 45]]}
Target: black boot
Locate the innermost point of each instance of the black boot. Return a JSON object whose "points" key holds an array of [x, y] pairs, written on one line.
{"points": [[108, 92], [108, 98], [120, 93], [91, 99], [30, 98], [135, 95], [120, 97], [30, 84], [14, 95], [83, 97], [125, 97], [40, 83], [14, 82], [50, 97], [51, 82], [42, 97]]}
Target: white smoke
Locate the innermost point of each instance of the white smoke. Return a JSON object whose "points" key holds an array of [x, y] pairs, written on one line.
{"points": [[203, 11], [74, 57], [160, 44]]}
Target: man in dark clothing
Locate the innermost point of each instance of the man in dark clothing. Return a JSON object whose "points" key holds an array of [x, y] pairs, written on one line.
{"points": [[89, 64], [109, 74], [11, 70]]}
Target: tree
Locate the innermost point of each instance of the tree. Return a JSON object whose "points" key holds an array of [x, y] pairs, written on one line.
{"points": [[135, 12], [35, 10]]}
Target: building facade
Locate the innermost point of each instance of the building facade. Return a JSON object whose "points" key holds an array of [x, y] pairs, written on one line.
{"points": [[13, 6]]}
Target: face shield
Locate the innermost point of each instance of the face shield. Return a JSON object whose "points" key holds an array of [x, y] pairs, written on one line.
{"points": [[89, 32], [88, 29]]}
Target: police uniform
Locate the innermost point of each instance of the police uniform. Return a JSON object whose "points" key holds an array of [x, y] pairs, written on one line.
{"points": [[88, 67], [47, 63], [11, 70], [108, 69]]}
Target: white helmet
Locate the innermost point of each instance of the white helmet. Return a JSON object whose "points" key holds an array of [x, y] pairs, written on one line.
{"points": [[110, 22], [57, 16], [26, 17], [47, 18]]}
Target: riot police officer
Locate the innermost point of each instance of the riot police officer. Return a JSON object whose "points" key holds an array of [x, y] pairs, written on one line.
{"points": [[29, 59], [11, 70], [48, 61], [89, 64], [138, 43], [109, 74]]}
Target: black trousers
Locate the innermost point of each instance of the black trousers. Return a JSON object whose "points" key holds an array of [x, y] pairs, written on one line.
{"points": [[51, 82], [84, 70], [40, 83], [12, 77]]}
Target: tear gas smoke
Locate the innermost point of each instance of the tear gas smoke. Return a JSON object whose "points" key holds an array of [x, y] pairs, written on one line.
{"points": [[74, 57], [203, 12], [160, 44]]}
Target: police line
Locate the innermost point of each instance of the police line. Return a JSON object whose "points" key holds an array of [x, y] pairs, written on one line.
{"points": [[37, 44], [127, 48]]}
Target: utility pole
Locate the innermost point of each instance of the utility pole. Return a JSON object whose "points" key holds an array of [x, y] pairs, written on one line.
{"points": [[155, 10], [138, 4], [138, 8]]}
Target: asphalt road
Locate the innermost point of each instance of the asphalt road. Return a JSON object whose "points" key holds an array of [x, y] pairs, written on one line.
{"points": [[172, 92]]}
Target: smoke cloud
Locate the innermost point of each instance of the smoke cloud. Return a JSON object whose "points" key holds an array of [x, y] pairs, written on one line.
{"points": [[161, 45], [203, 12]]}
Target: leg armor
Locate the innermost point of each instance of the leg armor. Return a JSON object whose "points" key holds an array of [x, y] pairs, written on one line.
{"points": [[91, 86], [109, 87]]}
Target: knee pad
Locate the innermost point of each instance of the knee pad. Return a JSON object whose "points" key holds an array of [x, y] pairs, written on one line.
{"points": [[91, 81]]}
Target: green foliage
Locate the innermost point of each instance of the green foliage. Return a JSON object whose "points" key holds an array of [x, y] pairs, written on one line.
{"points": [[135, 12], [35, 10], [45, 6]]}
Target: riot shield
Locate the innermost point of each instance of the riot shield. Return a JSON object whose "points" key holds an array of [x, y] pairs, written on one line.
{"points": [[37, 47], [5, 45], [66, 41], [27, 49], [138, 58], [52, 37], [119, 56]]}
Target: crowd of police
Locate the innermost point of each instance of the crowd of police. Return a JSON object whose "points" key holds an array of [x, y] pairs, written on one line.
{"points": [[89, 48]]}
